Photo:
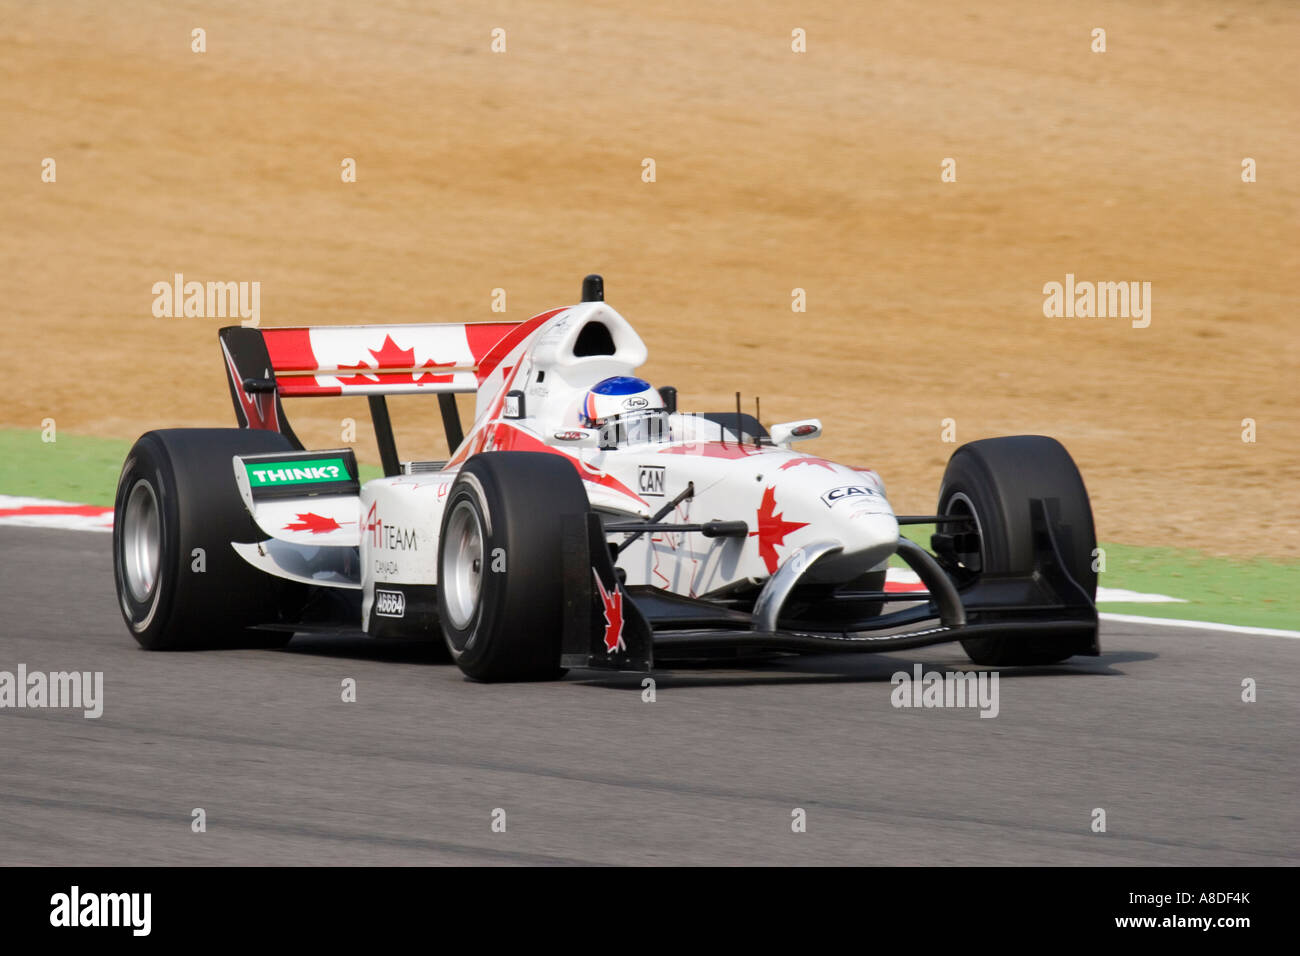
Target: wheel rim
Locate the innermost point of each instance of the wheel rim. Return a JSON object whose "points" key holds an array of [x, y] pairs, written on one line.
{"points": [[959, 504], [462, 564], [141, 541]]}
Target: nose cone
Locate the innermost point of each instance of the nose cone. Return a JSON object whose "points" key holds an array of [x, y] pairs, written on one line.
{"points": [[836, 504], [856, 515], [868, 539]]}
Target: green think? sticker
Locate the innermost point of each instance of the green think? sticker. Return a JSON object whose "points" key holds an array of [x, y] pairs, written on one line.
{"points": [[261, 474]]}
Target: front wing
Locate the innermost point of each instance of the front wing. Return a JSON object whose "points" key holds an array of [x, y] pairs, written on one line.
{"points": [[608, 626]]}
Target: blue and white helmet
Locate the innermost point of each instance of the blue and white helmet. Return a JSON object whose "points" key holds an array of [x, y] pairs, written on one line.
{"points": [[626, 410]]}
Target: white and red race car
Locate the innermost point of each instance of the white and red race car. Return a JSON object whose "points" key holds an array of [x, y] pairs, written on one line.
{"points": [[583, 521]]}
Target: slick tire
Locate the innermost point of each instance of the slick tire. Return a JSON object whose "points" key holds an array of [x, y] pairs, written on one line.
{"points": [[500, 590], [994, 480], [180, 585]]}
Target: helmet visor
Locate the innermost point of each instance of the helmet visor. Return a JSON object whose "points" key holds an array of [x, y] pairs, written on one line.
{"points": [[635, 428]]}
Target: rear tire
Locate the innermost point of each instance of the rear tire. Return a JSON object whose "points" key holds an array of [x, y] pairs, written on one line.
{"points": [[176, 494], [500, 590], [994, 480]]}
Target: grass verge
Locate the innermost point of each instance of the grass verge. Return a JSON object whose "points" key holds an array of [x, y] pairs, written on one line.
{"points": [[1253, 592]]}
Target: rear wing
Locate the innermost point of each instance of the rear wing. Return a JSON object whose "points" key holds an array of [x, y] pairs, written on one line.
{"points": [[265, 365]]}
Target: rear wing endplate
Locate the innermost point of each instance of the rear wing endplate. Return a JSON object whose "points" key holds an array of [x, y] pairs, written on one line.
{"points": [[305, 497]]}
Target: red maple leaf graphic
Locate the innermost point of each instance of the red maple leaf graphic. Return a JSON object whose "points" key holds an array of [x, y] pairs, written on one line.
{"points": [[713, 449], [819, 462], [772, 529], [613, 616], [388, 356], [316, 524]]}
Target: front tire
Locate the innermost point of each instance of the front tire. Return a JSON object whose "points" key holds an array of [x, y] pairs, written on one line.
{"points": [[500, 590], [180, 585], [993, 481]]}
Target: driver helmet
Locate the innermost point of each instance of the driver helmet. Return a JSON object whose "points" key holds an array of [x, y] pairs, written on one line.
{"points": [[626, 411]]}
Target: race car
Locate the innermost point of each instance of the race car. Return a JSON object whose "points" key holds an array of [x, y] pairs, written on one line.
{"points": [[582, 521]]}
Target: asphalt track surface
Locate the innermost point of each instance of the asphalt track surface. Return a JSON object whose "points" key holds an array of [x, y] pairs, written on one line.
{"points": [[1154, 732]]}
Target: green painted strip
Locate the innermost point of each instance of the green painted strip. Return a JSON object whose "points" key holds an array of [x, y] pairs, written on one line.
{"points": [[1253, 592], [72, 468], [75, 468]]}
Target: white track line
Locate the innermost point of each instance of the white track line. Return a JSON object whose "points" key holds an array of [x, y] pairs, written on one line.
{"points": [[1124, 596], [1200, 625]]}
